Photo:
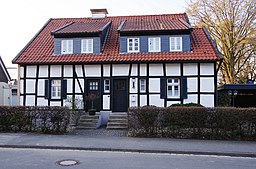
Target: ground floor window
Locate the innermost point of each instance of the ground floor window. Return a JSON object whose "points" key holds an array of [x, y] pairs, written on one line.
{"points": [[106, 86], [142, 85], [173, 88], [56, 89]]}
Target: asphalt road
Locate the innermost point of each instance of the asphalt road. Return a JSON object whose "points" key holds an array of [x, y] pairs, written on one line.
{"points": [[48, 159]]}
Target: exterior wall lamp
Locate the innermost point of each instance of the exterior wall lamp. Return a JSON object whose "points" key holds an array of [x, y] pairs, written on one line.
{"points": [[233, 94]]}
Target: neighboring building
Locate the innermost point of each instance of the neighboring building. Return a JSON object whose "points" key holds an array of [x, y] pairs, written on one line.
{"points": [[5, 89], [125, 60]]}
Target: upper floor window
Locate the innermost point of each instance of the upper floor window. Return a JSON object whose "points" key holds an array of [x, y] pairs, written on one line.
{"points": [[87, 46], [154, 44], [173, 88], [56, 89], [176, 43], [67, 46], [133, 44]]}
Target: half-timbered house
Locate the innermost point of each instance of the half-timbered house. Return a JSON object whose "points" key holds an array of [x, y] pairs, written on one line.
{"points": [[124, 60]]}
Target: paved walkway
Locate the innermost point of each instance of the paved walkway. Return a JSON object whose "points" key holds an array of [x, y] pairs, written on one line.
{"points": [[116, 140]]}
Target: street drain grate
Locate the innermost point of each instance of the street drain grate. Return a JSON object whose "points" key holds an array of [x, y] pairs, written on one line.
{"points": [[68, 162]]}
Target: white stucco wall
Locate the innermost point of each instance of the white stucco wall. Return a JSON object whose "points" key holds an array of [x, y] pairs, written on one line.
{"points": [[43, 71], [192, 84], [207, 100], [173, 69], [68, 71], [134, 71], [31, 71], [55, 71], [121, 69], [190, 69], [207, 68], [42, 102], [154, 85], [21, 71], [41, 87], [207, 84], [133, 100], [92, 70], [79, 70], [143, 100], [192, 98], [156, 70], [30, 86], [154, 99], [30, 100], [106, 102], [143, 70], [106, 70], [77, 88]]}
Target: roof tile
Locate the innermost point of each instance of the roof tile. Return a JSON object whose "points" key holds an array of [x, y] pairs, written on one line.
{"points": [[40, 49]]}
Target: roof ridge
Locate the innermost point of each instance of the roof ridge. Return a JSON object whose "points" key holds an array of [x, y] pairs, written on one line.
{"points": [[119, 16]]}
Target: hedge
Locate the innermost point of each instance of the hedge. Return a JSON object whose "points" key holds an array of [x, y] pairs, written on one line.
{"points": [[193, 122], [44, 119]]}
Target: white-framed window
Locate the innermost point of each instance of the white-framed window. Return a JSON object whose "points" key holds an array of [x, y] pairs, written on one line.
{"points": [[154, 44], [173, 88], [66, 46], [175, 43], [142, 85], [133, 44], [87, 46], [106, 86], [56, 89]]}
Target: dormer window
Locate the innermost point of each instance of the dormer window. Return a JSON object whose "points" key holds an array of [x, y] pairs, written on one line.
{"points": [[87, 46], [154, 44], [66, 46], [176, 44], [133, 45]]}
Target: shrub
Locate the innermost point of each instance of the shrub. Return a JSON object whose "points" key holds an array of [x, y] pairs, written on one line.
{"points": [[34, 119], [194, 122]]}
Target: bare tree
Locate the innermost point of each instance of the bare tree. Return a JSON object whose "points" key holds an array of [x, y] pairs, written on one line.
{"points": [[232, 24]]}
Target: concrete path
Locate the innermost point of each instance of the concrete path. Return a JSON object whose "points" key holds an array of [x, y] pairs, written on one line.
{"points": [[116, 140]]}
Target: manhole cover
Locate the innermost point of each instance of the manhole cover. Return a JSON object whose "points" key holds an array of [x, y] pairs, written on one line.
{"points": [[67, 162]]}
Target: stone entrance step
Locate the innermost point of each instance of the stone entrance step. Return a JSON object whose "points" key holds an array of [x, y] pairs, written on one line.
{"points": [[88, 122], [118, 121]]}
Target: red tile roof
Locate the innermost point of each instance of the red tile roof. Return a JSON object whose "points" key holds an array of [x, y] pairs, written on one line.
{"points": [[152, 25], [82, 27], [40, 49]]}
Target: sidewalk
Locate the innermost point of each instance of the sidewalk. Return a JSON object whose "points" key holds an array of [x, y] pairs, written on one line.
{"points": [[116, 141]]}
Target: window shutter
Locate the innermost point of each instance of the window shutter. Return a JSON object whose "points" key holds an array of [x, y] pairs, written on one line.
{"points": [[64, 89], [184, 88], [46, 89], [163, 88]]}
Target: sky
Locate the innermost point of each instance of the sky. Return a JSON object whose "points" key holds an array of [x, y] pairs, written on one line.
{"points": [[20, 20]]}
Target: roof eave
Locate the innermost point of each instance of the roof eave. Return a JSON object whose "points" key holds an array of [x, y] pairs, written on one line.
{"points": [[14, 61]]}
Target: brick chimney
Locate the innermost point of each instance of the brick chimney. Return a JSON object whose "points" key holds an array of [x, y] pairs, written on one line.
{"points": [[99, 13]]}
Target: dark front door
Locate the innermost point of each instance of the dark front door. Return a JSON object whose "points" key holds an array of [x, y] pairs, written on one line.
{"points": [[93, 99], [120, 95]]}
